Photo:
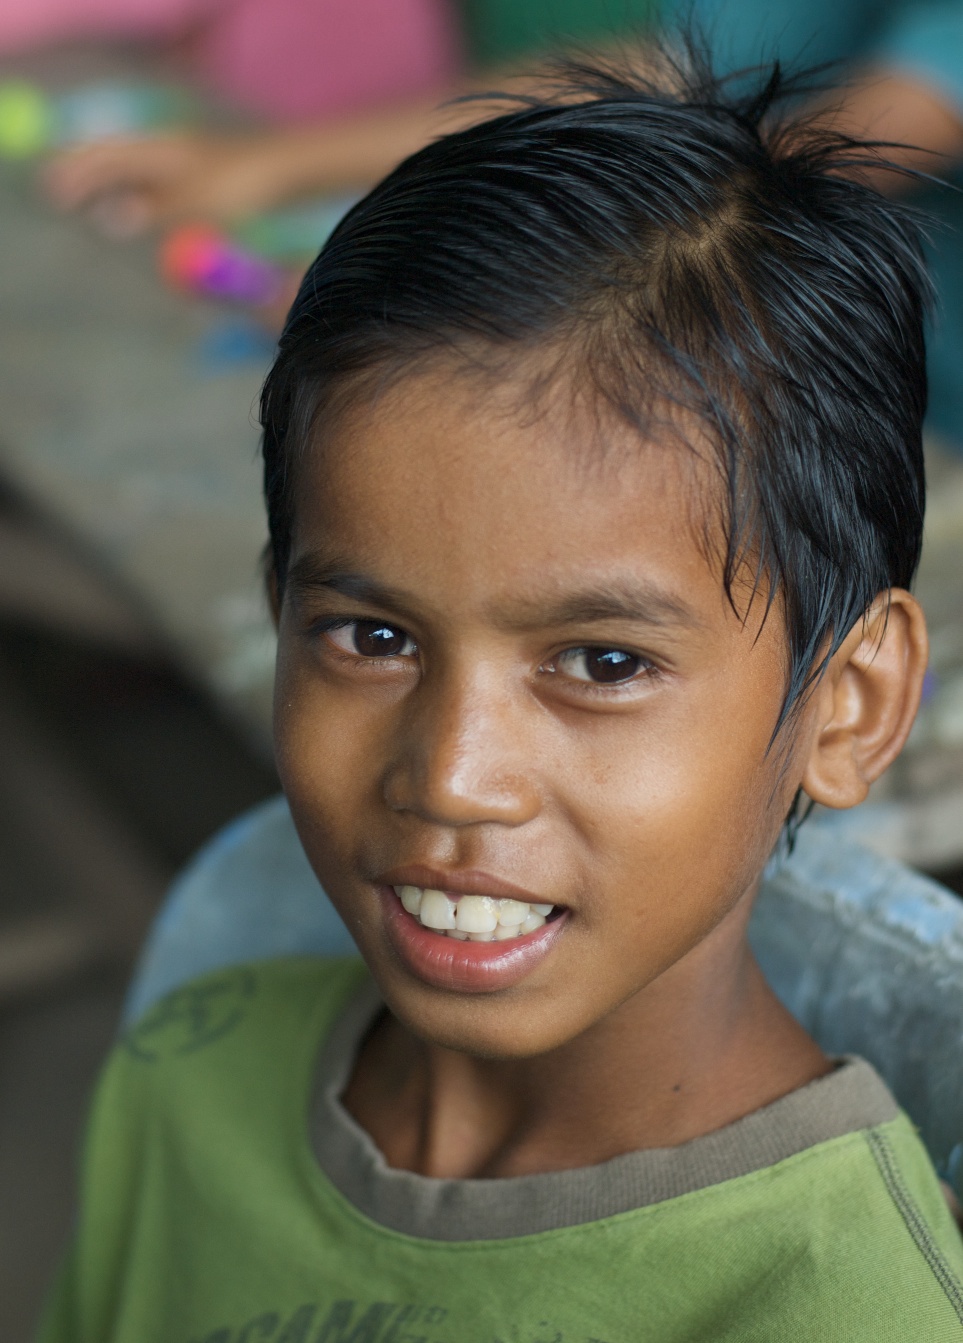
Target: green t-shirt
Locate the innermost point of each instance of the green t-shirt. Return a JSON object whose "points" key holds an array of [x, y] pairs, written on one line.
{"points": [[229, 1198], [503, 30]]}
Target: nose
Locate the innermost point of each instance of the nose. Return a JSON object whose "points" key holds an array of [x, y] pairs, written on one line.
{"points": [[466, 753]]}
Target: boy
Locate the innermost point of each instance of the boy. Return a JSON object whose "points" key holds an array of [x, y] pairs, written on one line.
{"points": [[594, 478]]}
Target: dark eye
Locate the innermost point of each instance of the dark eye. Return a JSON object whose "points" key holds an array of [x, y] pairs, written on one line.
{"points": [[371, 639], [604, 666]]}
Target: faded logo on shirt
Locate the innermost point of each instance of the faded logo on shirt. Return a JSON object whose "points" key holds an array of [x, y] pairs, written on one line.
{"points": [[380, 1322], [190, 1018]]}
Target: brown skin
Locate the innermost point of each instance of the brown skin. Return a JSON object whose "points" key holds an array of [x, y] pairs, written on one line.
{"points": [[138, 183], [647, 807], [898, 109], [141, 183]]}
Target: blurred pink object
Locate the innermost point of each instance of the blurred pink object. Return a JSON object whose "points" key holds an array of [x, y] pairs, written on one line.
{"points": [[30, 23], [304, 58], [290, 59], [203, 260]]}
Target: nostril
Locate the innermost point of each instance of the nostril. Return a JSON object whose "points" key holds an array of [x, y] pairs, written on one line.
{"points": [[455, 798]]}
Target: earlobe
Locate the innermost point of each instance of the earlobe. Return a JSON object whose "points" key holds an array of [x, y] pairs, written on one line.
{"points": [[865, 704]]}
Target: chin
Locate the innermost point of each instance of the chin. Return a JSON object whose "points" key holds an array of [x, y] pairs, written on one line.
{"points": [[500, 1030]]}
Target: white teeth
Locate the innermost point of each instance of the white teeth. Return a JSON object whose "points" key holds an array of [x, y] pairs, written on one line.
{"points": [[476, 918], [513, 912], [476, 914], [437, 911], [410, 897]]}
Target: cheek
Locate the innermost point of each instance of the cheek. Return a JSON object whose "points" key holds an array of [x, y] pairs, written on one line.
{"points": [[682, 814], [326, 754]]}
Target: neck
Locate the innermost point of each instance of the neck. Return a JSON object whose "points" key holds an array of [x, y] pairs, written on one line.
{"points": [[705, 1044]]}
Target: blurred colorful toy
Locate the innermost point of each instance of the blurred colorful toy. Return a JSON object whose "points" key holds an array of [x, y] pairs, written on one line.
{"points": [[26, 119], [32, 120], [201, 259], [255, 261], [295, 233]]}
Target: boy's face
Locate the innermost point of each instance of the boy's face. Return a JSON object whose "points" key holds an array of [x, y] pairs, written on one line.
{"points": [[508, 668]]}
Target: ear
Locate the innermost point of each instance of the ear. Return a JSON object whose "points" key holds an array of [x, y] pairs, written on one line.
{"points": [[865, 703]]}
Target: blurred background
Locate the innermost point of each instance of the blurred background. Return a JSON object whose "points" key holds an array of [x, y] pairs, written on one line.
{"points": [[167, 169]]}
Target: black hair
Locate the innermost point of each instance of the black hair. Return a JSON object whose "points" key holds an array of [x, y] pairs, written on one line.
{"points": [[678, 239]]}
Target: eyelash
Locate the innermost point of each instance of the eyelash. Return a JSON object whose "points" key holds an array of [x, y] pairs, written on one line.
{"points": [[329, 627], [645, 670]]}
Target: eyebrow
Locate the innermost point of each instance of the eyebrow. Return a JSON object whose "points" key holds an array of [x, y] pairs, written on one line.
{"points": [[310, 575], [637, 602]]}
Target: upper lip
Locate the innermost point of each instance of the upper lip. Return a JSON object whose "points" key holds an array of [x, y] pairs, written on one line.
{"points": [[462, 882]]}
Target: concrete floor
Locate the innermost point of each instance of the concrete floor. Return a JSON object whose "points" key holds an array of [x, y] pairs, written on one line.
{"points": [[114, 769], [50, 1051]]}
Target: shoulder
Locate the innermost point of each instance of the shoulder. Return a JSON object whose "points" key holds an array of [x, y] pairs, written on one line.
{"points": [[231, 1052], [918, 1209], [217, 1033], [819, 1216], [264, 995], [865, 1239]]}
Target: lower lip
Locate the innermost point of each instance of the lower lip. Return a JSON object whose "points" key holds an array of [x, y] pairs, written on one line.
{"points": [[465, 967]]}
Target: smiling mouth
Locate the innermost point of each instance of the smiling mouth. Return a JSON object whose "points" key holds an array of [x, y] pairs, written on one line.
{"points": [[474, 918]]}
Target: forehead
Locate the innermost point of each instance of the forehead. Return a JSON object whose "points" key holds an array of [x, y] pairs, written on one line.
{"points": [[505, 483]]}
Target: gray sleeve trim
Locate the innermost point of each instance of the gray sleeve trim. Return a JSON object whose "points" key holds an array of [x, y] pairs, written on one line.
{"points": [[851, 1098]]}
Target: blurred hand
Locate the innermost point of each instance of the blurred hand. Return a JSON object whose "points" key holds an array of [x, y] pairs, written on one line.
{"points": [[925, 129], [128, 186], [131, 185]]}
